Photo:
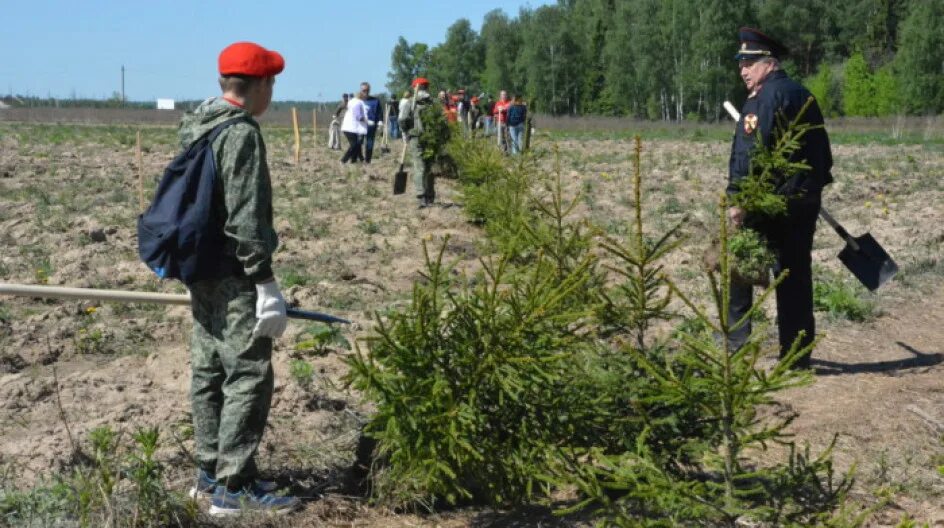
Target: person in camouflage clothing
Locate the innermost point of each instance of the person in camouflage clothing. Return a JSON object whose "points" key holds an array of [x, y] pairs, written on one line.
{"points": [[236, 316], [411, 124]]}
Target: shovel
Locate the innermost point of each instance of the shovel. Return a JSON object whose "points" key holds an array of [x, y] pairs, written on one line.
{"points": [[399, 179], [863, 255], [28, 290]]}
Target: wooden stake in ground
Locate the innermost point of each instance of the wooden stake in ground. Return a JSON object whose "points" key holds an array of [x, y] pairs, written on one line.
{"points": [[140, 165], [314, 127], [298, 137], [384, 143]]}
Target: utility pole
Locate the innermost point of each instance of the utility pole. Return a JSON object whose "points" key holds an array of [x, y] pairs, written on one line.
{"points": [[122, 83]]}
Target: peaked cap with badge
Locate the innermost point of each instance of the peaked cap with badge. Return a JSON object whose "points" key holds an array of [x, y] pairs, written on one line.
{"points": [[756, 45]]}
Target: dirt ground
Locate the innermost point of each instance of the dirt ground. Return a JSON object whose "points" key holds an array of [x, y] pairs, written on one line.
{"points": [[68, 202]]}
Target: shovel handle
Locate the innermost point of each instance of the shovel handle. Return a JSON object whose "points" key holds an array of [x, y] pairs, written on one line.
{"points": [[60, 292], [403, 153], [841, 231], [735, 115]]}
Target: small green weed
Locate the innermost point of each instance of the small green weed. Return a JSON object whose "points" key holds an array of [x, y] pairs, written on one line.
{"points": [[302, 372], [843, 299], [42, 271], [89, 338], [318, 339], [369, 227], [295, 277]]}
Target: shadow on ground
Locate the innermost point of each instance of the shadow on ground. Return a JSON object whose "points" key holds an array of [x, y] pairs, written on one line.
{"points": [[921, 359]]}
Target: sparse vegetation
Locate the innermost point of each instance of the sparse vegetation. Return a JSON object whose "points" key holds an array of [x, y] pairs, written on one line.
{"points": [[842, 298], [119, 483], [319, 339], [302, 372], [348, 248]]}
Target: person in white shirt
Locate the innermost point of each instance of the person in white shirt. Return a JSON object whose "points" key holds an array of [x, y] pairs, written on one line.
{"points": [[354, 128]]}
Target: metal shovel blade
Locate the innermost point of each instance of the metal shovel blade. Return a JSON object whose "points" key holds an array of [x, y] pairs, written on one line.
{"points": [[863, 255], [399, 181], [870, 263]]}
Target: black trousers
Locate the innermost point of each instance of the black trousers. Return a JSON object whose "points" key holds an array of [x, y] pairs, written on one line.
{"points": [[353, 152], [369, 143], [791, 238]]}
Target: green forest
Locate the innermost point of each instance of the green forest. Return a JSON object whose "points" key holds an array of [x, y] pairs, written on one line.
{"points": [[674, 59]]}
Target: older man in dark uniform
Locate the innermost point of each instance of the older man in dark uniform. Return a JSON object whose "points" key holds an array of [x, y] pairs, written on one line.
{"points": [[775, 100]]}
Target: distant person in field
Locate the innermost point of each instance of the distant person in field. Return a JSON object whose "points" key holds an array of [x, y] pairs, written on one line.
{"points": [[500, 115], [448, 106], [475, 115], [404, 102], [517, 114], [354, 127], [238, 314], [334, 130], [374, 119], [775, 98], [488, 108], [460, 103], [411, 123], [393, 109], [334, 134], [342, 106]]}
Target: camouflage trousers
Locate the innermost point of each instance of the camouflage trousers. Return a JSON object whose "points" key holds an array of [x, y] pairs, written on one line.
{"points": [[232, 380], [422, 175]]}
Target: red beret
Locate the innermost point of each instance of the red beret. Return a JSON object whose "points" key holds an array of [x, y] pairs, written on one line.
{"points": [[247, 58], [418, 81]]}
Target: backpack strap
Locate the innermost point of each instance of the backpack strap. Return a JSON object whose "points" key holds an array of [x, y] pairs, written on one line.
{"points": [[213, 134]]}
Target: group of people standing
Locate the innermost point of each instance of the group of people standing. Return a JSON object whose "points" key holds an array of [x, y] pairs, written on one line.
{"points": [[505, 118], [357, 117]]}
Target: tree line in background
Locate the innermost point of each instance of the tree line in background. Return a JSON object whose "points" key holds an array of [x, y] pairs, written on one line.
{"points": [[673, 59]]}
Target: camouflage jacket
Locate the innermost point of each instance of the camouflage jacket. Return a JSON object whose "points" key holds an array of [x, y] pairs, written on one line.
{"points": [[243, 201], [409, 116]]}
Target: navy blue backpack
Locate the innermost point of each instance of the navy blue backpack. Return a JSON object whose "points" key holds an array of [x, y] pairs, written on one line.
{"points": [[177, 237]]}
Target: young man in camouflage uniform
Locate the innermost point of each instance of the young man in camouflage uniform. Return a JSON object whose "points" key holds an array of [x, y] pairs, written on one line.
{"points": [[236, 316], [411, 123]]}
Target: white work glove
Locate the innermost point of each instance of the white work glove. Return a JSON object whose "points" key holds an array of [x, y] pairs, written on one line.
{"points": [[271, 318], [370, 123]]}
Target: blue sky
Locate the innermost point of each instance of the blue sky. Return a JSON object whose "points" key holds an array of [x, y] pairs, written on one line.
{"points": [[169, 49]]}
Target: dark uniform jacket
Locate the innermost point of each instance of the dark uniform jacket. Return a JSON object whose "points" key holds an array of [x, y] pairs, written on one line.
{"points": [[777, 104]]}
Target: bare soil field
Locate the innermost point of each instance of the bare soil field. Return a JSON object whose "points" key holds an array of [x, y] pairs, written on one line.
{"points": [[68, 204]]}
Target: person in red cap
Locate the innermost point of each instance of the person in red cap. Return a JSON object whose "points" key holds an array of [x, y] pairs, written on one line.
{"points": [[411, 124], [773, 99], [237, 314]]}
